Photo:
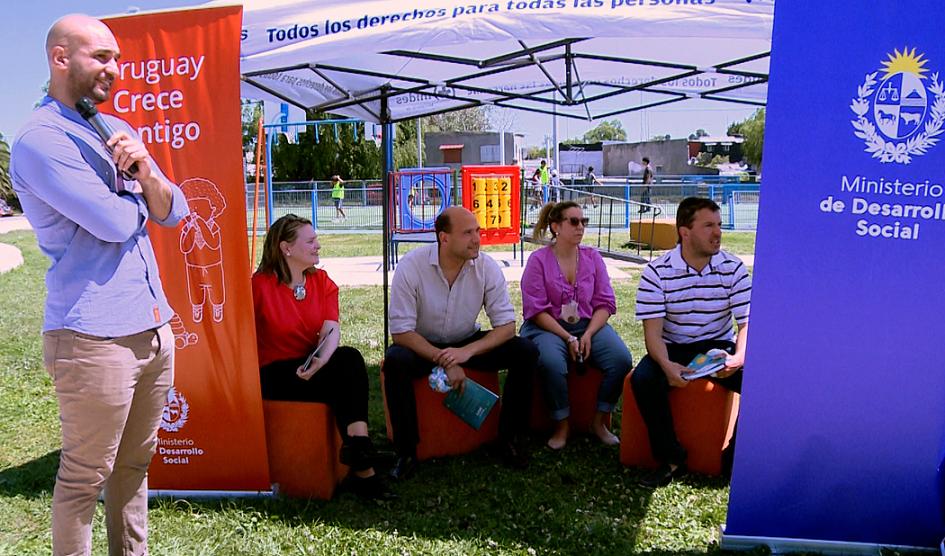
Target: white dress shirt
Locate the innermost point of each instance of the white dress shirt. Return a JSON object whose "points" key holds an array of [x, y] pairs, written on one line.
{"points": [[422, 300]]}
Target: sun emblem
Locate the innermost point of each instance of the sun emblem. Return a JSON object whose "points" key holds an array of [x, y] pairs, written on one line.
{"points": [[893, 116], [176, 411]]}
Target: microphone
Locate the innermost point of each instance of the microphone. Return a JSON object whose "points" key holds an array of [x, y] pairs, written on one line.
{"points": [[86, 108]]}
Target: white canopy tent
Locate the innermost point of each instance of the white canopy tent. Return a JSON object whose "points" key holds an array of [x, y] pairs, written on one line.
{"points": [[588, 59], [551, 56]]}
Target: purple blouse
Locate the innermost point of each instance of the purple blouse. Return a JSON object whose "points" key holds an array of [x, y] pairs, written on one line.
{"points": [[544, 287]]}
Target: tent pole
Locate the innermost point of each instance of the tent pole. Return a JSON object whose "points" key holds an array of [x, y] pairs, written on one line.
{"points": [[386, 169], [554, 136]]}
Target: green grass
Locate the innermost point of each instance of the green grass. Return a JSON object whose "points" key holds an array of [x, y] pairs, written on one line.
{"points": [[581, 501]]}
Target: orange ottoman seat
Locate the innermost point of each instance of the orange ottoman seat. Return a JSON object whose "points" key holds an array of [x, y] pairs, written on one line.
{"points": [[704, 415], [659, 233], [582, 396], [441, 432], [303, 444]]}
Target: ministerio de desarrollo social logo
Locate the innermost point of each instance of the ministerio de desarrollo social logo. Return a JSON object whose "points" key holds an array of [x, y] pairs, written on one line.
{"points": [[176, 411], [900, 116]]}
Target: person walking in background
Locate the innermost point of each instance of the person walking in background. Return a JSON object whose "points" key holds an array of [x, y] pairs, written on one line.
{"points": [[545, 179], [555, 185], [535, 188], [338, 197], [107, 341], [592, 180], [647, 184]]}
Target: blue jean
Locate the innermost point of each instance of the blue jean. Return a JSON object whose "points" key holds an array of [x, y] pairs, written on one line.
{"points": [[608, 353]]}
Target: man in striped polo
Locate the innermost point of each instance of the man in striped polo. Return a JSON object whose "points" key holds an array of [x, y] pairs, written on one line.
{"points": [[687, 299]]}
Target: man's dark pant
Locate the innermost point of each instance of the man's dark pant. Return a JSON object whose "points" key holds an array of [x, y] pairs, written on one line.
{"points": [[402, 366], [651, 390]]}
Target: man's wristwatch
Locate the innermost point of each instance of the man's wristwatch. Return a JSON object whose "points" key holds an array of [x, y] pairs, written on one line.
{"points": [[572, 339]]}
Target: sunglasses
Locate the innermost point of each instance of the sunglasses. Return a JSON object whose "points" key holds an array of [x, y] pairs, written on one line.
{"points": [[574, 220]]}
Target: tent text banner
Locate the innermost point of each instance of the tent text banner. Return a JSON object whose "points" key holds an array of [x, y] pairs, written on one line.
{"points": [[568, 57]]}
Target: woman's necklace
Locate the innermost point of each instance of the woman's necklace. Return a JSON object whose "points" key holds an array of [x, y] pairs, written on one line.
{"points": [[299, 291]]}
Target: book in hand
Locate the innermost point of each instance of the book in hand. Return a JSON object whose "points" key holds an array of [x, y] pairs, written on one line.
{"points": [[706, 364], [473, 405], [308, 360]]}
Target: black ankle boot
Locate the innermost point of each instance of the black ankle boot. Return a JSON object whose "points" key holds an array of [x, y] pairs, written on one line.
{"points": [[358, 453]]}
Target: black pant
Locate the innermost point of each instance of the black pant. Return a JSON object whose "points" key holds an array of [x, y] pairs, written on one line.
{"points": [[402, 366], [342, 384], [651, 390]]}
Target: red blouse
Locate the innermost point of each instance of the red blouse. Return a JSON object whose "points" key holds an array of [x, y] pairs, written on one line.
{"points": [[286, 328]]}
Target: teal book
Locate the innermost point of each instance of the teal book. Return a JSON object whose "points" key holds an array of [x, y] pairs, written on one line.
{"points": [[474, 405], [706, 364]]}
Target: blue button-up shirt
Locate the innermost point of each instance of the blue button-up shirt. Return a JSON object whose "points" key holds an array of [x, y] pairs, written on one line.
{"points": [[103, 279]]}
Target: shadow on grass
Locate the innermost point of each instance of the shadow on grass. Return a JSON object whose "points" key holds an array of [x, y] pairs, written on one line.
{"points": [[580, 501], [31, 479]]}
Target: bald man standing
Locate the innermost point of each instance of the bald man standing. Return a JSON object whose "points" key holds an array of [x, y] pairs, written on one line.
{"points": [[107, 343]]}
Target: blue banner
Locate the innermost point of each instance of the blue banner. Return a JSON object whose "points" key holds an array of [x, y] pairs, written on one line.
{"points": [[842, 423]]}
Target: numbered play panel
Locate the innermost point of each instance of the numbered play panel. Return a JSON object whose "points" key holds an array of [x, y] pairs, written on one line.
{"points": [[492, 193]]}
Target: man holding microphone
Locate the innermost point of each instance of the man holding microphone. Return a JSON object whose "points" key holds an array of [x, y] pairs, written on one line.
{"points": [[107, 343]]}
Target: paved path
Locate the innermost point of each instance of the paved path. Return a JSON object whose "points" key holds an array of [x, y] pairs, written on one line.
{"points": [[10, 256]]}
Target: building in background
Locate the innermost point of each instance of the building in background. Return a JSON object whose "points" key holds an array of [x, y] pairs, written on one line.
{"points": [[470, 147], [717, 146], [672, 157]]}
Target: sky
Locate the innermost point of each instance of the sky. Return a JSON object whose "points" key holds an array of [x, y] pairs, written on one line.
{"points": [[23, 65]]}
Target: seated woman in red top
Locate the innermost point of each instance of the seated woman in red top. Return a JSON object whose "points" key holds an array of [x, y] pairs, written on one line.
{"points": [[296, 309]]}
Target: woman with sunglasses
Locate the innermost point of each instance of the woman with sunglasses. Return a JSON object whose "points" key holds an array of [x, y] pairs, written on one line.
{"points": [[296, 309], [566, 302]]}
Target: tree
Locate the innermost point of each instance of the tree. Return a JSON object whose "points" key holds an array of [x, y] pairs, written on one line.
{"points": [[6, 185], [470, 119], [535, 153], [405, 144], [251, 114], [707, 160], [308, 159], [609, 130], [697, 134], [502, 119], [753, 130], [45, 89]]}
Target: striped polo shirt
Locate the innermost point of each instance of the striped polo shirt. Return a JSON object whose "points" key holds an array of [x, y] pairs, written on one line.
{"points": [[695, 306]]}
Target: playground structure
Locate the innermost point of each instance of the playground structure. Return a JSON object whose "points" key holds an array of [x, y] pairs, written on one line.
{"points": [[419, 195], [493, 194]]}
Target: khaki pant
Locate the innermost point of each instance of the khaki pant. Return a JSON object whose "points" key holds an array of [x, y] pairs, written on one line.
{"points": [[111, 394]]}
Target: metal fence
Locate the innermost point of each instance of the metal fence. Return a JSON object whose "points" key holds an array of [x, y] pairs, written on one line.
{"points": [[360, 209], [362, 205]]}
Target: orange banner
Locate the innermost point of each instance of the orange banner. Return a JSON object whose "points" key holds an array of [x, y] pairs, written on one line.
{"points": [[179, 87]]}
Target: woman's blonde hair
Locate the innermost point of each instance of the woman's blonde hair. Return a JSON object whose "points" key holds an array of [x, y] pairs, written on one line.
{"points": [[551, 212], [273, 260]]}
